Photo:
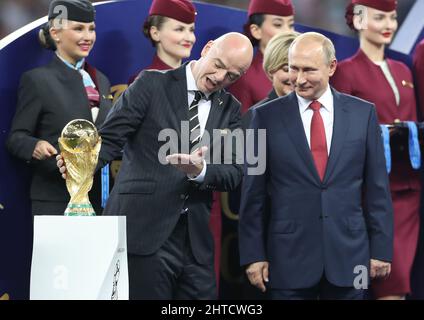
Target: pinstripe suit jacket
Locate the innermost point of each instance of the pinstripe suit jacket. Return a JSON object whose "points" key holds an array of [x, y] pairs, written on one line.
{"points": [[150, 194]]}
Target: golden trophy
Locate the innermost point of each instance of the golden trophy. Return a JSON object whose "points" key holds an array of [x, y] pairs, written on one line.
{"points": [[80, 145]]}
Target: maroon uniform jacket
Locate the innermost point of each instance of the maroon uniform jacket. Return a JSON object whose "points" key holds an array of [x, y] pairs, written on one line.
{"points": [[157, 64], [360, 77], [253, 86]]}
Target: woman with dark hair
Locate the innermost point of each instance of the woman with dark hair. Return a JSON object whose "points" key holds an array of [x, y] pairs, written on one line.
{"points": [[170, 28], [266, 19], [50, 96], [387, 83]]}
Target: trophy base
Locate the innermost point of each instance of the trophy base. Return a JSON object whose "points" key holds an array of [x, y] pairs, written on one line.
{"points": [[78, 210]]}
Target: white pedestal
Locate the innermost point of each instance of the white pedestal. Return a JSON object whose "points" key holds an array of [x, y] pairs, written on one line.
{"points": [[79, 258]]}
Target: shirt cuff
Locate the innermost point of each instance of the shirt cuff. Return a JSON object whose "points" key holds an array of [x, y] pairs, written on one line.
{"points": [[201, 177]]}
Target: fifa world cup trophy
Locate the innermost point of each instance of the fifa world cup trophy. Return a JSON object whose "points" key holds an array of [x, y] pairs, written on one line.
{"points": [[80, 146]]}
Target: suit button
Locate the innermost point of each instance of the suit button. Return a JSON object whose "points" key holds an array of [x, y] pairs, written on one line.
{"points": [[324, 187], [182, 196]]}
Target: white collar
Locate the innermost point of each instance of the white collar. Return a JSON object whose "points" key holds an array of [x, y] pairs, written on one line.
{"points": [[326, 101], [77, 66]]}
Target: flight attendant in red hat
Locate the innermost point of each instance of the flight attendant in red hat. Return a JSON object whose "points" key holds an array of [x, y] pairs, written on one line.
{"points": [[266, 19], [170, 28], [389, 85]]}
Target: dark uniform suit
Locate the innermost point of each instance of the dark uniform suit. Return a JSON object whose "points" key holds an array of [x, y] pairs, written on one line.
{"points": [[157, 64], [50, 97]]}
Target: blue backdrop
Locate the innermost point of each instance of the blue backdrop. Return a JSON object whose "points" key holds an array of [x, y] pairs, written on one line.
{"points": [[120, 51]]}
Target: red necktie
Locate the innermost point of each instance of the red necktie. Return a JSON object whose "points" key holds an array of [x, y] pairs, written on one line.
{"points": [[318, 140]]}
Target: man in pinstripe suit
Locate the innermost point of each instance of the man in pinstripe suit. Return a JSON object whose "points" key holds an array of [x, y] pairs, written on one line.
{"points": [[167, 206]]}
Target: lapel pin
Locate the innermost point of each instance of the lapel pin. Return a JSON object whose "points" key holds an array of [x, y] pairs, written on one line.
{"points": [[407, 84]]}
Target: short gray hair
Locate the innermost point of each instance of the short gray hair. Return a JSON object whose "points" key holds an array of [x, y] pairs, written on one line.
{"points": [[327, 45]]}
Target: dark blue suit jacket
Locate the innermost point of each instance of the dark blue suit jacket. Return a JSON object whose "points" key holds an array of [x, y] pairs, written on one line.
{"points": [[311, 226]]}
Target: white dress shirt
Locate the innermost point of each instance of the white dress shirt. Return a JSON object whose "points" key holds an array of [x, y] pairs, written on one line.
{"points": [[387, 73], [204, 105], [203, 112], [326, 111]]}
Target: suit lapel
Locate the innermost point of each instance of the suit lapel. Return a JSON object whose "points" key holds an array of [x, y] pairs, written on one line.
{"points": [[340, 130], [102, 92], [103, 110], [294, 125], [217, 106], [71, 79], [177, 95]]}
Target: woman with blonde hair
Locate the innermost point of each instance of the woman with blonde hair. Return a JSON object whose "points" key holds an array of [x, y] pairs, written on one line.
{"points": [[276, 67], [265, 20], [50, 96]]}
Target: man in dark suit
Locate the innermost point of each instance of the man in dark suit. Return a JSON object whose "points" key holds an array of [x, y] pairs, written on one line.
{"points": [[167, 200], [330, 222]]}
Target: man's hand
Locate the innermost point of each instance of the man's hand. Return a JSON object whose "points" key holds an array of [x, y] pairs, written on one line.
{"points": [[379, 269], [61, 165], [258, 274], [190, 164], [43, 150]]}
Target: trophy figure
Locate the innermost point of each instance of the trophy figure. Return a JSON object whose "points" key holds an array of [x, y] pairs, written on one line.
{"points": [[80, 145]]}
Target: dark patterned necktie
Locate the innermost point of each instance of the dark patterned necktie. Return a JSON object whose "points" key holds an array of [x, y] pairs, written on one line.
{"points": [[193, 116]]}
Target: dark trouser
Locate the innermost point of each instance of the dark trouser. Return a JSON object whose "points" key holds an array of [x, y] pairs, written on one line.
{"points": [[324, 290], [172, 272]]}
